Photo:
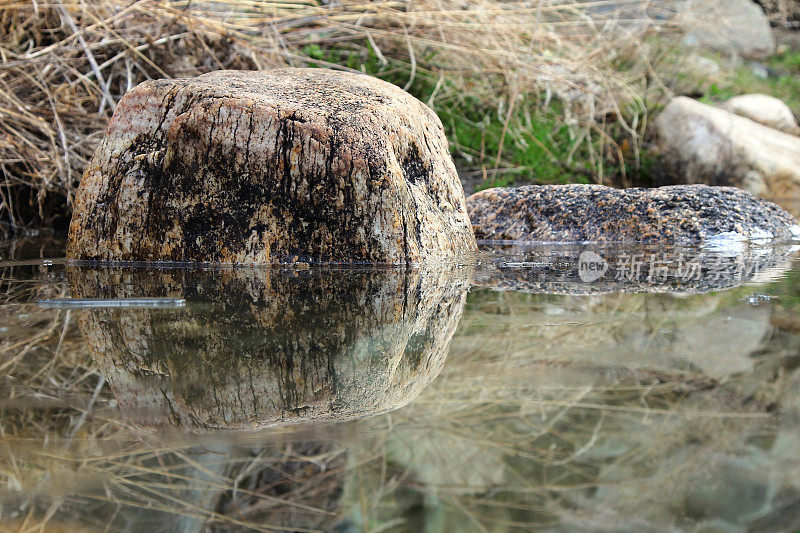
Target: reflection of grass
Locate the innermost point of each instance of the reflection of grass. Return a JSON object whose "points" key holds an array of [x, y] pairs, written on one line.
{"points": [[540, 416], [552, 436]]}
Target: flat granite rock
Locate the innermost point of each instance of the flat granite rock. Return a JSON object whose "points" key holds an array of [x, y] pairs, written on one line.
{"points": [[679, 214], [273, 166]]}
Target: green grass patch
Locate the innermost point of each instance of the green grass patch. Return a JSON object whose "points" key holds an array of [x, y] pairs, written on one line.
{"points": [[780, 78], [531, 143]]}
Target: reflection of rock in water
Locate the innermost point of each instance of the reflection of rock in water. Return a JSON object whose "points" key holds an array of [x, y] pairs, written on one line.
{"points": [[640, 268], [255, 348], [653, 412]]}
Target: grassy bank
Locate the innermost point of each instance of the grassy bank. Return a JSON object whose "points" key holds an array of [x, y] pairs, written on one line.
{"points": [[779, 76], [532, 91]]}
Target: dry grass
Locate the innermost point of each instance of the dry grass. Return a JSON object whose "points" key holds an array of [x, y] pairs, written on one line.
{"points": [[65, 65]]}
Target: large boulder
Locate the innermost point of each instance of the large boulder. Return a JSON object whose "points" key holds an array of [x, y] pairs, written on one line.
{"points": [[281, 165], [595, 213], [764, 109], [700, 143]]}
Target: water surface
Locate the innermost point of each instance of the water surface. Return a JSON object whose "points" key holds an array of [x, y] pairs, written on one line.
{"points": [[556, 387]]}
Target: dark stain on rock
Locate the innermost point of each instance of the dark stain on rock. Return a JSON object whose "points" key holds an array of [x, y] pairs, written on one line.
{"points": [[259, 167], [414, 168]]}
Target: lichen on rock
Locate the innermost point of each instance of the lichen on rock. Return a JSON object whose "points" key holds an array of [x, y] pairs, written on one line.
{"points": [[272, 166], [679, 214]]}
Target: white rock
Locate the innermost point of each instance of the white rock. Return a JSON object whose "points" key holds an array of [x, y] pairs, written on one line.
{"points": [[766, 110], [705, 144], [704, 65], [754, 182]]}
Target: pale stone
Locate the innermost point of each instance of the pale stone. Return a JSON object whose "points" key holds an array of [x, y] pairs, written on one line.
{"points": [[733, 26], [280, 165], [764, 109], [700, 143], [753, 183]]}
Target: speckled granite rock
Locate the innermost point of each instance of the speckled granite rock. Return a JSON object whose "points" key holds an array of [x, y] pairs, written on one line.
{"points": [[263, 347], [584, 213], [280, 165]]}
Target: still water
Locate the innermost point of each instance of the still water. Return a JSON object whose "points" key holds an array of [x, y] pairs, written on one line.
{"points": [[556, 387]]}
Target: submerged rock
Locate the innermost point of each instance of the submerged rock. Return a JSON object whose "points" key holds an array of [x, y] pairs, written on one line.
{"points": [[267, 347], [766, 110], [595, 213], [281, 165], [699, 143]]}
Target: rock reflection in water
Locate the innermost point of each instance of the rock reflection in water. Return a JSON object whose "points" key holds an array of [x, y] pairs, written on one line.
{"points": [[633, 412], [263, 347], [570, 411], [570, 269]]}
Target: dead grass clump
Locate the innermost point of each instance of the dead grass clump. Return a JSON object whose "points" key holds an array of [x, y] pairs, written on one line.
{"points": [[784, 13], [65, 65]]}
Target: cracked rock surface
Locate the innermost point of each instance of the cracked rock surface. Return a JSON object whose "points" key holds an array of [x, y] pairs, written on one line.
{"points": [[262, 347], [678, 214], [273, 166]]}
